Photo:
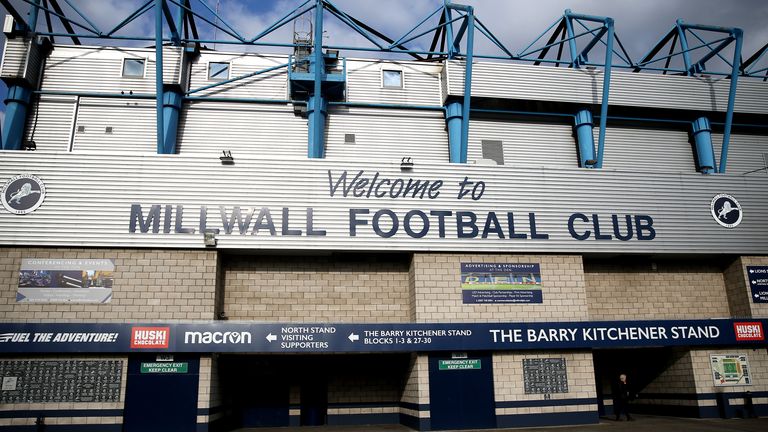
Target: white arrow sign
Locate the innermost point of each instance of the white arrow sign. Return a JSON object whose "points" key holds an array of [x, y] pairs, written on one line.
{"points": [[271, 338], [353, 337]]}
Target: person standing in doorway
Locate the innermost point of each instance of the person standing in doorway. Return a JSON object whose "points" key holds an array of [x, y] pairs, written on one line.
{"points": [[624, 395]]}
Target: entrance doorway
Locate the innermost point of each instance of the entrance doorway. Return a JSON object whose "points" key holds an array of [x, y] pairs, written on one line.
{"points": [[161, 396], [461, 393], [644, 368]]}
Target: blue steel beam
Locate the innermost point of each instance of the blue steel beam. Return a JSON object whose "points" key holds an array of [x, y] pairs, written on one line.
{"points": [[739, 35], [36, 6], [159, 75], [467, 82], [135, 14], [606, 92], [282, 21]]}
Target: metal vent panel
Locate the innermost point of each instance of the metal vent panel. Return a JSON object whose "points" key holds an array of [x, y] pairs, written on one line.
{"points": [[387, 135]]}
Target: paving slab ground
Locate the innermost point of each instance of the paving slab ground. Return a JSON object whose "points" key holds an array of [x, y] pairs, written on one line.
{"points": [[643, 423]]}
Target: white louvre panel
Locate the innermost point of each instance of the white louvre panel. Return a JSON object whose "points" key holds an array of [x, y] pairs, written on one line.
{"points": [[244, 129], [132, 122], [387, 135], [421, 83], [99, 69], [49, 123], [647, 149], [268, 85], [172, 58], [745, 153], [14, 58], [525, 144], [90, 196], [520, 81]]}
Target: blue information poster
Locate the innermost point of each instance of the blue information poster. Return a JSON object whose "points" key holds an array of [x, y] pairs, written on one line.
{"points": [[500, 283]]}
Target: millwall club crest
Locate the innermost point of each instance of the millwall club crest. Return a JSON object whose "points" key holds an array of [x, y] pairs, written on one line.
{"points": [[726, 210], [23, 194]]}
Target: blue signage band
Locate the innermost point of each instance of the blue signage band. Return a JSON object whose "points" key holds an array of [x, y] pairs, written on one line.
{"points": [[226, 336]]}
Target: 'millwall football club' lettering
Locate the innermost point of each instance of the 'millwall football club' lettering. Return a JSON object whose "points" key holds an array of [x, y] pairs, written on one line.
{"points": [[386, 222]]}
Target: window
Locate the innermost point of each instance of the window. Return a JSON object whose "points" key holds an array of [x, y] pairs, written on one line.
{"points": [[392, 78], [349, 138], [133, 68], [493, 150], [218, 71]]}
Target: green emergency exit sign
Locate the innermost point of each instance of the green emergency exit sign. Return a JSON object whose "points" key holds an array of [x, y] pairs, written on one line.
{"points": [[459, 364], [165, 367]]}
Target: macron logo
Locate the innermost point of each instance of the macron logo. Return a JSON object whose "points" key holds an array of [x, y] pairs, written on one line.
{"points": [[150, 337], [749, 331]]}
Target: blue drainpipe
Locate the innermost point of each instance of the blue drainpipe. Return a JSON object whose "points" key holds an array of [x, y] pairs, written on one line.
{"points": [[18, 98], [172, 100], [585, 138], [15, 116], [317, 111], [453, 118], [702, 138]]}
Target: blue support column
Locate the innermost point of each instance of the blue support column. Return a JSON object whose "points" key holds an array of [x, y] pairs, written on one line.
{"points": [[317, 105], [467, 84], [705, 152], [606, 91], [159, 76], [575, 61], [684, 46], [19, 96], [15, 116], [453, 119], [172, 100], [738, 34], [585, 139]]}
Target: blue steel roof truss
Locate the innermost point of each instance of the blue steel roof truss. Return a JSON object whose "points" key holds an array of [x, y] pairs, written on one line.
{"points": [[176, 23]]}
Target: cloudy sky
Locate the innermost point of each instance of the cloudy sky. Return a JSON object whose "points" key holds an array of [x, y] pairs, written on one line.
{"points": [[516, 23]]}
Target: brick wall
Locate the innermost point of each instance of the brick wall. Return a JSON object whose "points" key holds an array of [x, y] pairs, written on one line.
{"points": [[148, 285], [415, 390], [509, 384], [438, 296], [317, 289], [674, 290]]}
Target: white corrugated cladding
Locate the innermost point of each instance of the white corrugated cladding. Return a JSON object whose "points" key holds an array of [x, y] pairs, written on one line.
{"points": [[745, 153], [519, 81], [70, 68], [242, 128], [89, 198], [644, 149], [132, 124], [49, 123], [386, 135], [421, 83], [14, 58], [525, 144], [268, 85]]}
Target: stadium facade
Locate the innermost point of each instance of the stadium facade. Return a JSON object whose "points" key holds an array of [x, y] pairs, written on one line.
{"points": [[313, 239]]}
